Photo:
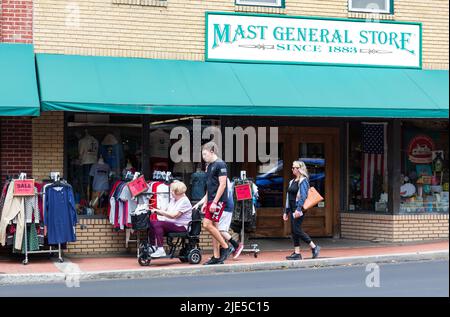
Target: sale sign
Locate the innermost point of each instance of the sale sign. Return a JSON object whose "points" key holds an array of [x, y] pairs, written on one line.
{"points": [[24, 187], [138, 186], [243, 192]]}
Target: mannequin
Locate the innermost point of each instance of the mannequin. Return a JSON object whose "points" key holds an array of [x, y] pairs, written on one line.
{"points": [[159, 150], [88, 151], [100, 185], [128, 168], [198, 182], [112, 152]]}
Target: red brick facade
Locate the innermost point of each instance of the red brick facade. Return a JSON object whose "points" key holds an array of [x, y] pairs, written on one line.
{"points": [[16, 26], [16, 21], [15, 146]]}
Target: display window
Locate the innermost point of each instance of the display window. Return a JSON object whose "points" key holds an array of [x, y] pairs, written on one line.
{"points": [[367, 167], [424, 179]]}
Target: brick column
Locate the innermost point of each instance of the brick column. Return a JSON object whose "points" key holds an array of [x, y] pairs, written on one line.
{"points": [[16, 26], [16, 21], [15, 146]]}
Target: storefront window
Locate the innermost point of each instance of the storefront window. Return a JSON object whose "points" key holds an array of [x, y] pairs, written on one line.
{"points": [[313, 154], [270, 181], [367, 167], [184, 163], [100, 149], [425, 173]]}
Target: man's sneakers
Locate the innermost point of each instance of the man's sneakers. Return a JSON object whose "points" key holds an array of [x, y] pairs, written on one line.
{"points": [[225, 253], [212, 261], [294, 256], [238, 251], [159, 253], [315, 252]]}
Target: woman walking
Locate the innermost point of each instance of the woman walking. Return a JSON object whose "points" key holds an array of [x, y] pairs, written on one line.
{"points": [[296, 195]]}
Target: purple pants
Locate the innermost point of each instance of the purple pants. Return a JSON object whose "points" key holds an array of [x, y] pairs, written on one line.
{"points": [[158, 229]]}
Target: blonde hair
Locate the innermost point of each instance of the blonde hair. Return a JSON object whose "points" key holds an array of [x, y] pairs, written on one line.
{"points": [[178, 187], [302, 168]]}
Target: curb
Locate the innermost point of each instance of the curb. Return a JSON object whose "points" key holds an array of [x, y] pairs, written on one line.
{"points": [[39, 278]]}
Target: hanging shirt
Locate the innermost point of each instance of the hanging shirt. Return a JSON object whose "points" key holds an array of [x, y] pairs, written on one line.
{"points": [[159, 144], [229, 206], [60, 215], [88, 150], [198, 182], [112, 154], [100, 172]]}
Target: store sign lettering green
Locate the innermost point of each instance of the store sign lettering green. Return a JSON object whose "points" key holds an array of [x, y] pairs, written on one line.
{"points": [[238, 37]]}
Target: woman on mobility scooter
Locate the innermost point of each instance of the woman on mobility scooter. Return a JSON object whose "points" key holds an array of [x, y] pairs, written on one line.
{"points": [[175, 219], [178, 222]]}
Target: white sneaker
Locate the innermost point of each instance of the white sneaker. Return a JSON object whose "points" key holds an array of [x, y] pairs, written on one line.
{"points": [[152, 249], [159, 253]]}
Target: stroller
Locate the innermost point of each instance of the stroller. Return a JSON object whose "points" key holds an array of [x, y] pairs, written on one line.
{"points": [[183, 245]]}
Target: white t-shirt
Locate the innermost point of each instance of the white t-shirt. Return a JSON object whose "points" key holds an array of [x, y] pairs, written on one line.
{"points": [[88, 150], [159, 144], [182, 205]]}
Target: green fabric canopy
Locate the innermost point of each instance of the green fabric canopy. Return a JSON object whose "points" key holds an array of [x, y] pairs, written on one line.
{"points": [[148, 86], [18, 84]]}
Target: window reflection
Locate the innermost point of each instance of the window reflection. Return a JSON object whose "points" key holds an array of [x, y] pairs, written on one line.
{"points": [[313, 154]]}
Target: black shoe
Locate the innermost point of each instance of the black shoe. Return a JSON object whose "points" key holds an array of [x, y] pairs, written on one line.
{"points": [[225, 253], [315, 252], [294, 256], [212, 261]]}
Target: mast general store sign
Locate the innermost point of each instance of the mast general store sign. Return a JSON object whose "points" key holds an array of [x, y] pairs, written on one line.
{"points": [[261, 38]]}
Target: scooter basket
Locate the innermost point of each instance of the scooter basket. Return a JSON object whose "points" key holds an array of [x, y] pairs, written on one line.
{"points": [[140, 222]]}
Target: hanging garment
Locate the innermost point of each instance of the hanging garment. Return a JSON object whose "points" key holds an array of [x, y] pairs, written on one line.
{"points": [[60, 215], [3, 196], [13, 207], [32, 240]]}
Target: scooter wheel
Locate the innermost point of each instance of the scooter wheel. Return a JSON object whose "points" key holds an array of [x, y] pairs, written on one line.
{"points": [[195, 256], [144, 262]]}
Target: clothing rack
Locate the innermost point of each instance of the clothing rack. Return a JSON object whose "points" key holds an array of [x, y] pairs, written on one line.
{"points": [[167, 181], [253, 248], [50, 251]]}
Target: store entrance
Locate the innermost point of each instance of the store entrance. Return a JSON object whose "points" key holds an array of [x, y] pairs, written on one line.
{"points": [[319, 149]]}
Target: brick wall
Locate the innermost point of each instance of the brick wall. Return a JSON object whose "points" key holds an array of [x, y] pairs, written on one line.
{"points": [[394, 228], [15, 146], [97, 237], [48, 144], [176, 30], [16, 21]]}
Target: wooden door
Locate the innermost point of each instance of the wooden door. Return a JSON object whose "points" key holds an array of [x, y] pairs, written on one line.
{"points": [[318, 152], [318, 147]]}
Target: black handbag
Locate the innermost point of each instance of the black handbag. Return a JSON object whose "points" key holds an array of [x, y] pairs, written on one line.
{"points": [[140, 222]]}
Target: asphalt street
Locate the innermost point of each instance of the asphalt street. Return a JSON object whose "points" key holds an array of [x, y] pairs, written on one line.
{"points": [[428, 278]]}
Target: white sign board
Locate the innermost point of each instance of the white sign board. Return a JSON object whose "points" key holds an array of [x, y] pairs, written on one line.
{"points": [[262, 38]]}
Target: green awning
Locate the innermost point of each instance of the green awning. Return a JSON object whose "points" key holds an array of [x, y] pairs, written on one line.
{"points": [[18, 85], [148, 86]]}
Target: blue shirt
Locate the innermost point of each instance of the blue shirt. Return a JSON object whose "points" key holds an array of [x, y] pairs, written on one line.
{"points": [[229, 206], [198, 181], [60, 216]]}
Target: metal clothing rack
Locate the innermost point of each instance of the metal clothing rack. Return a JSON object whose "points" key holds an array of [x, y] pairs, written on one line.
{"points": [[50, 251], [128, 230], [253, 248]]}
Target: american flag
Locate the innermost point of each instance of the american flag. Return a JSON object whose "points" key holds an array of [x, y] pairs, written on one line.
{"points": [[374, 155]]}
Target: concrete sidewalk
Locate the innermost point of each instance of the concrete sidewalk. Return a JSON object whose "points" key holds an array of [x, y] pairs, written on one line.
{"points": [[42, 270]]}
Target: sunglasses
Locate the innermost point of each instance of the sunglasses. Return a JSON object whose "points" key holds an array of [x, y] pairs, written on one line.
{"points": [[294, 167]]}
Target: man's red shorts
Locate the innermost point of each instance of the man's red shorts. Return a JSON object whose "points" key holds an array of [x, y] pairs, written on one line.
{"points": [[214, 216]]}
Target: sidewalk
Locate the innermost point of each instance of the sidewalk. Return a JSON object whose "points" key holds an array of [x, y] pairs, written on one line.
{"points": [[42, 270]]}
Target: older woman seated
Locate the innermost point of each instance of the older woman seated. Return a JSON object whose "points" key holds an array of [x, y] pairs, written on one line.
{"points": [[174, 219]]}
